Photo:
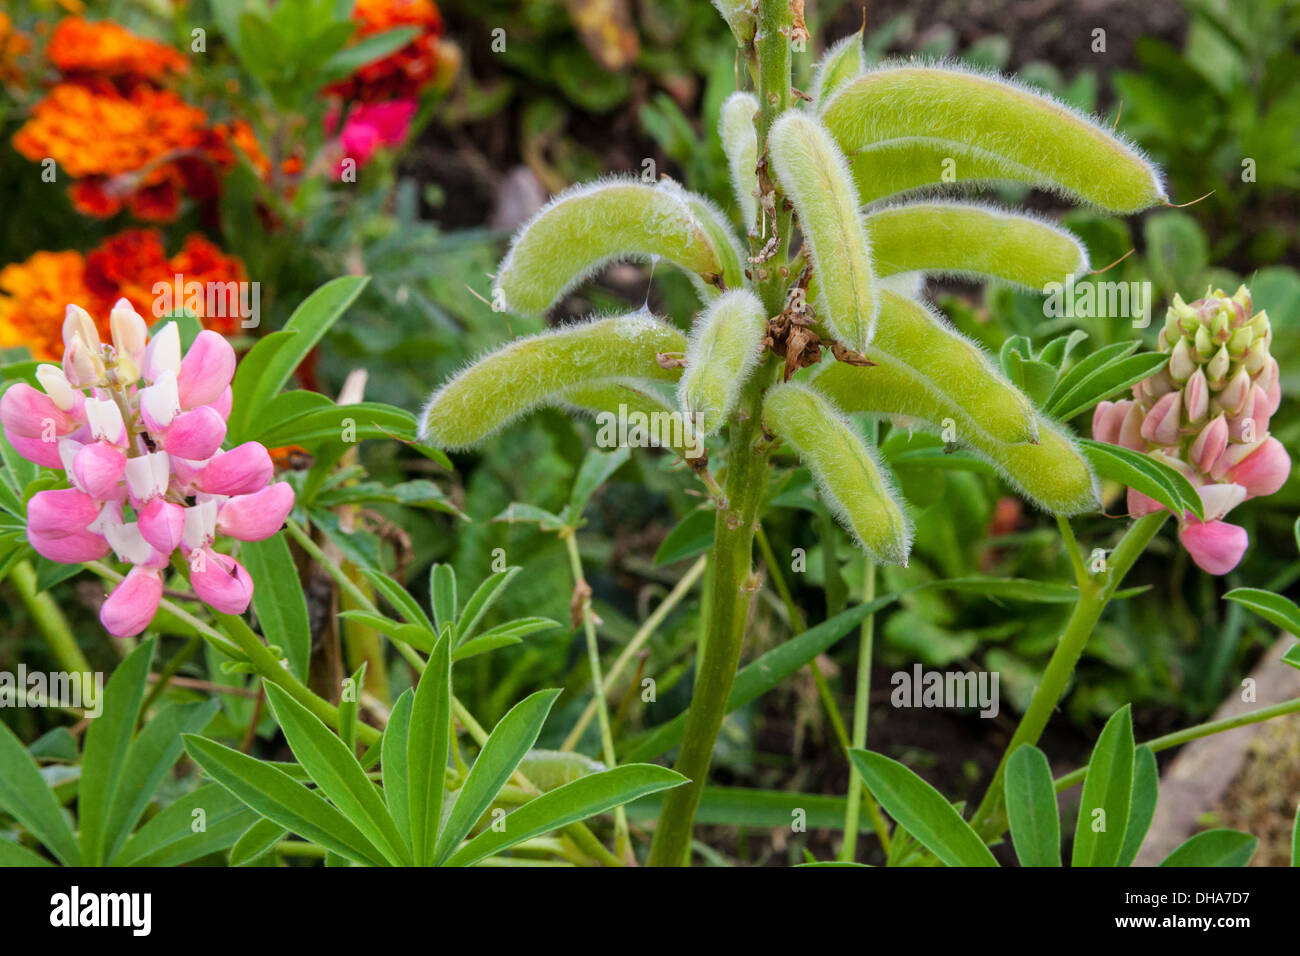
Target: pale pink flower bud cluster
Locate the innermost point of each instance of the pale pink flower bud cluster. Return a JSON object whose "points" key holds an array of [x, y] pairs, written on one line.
{"points": [[138, 428], [1207, 414]]}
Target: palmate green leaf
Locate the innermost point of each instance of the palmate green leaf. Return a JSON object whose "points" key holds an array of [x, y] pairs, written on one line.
{"points": [[332, 424], [1214, 848], [278, 599], [847, 473], [505, 747], [503, 635], [426, 751], [1107, 382], [108, 738], [11, 854], [256, 842], [417, 635], [759, 676], [586, 227], [1014, 589], [481, 602], [1086, 366], [813, 171], [25, 796], [1145, 473], [972, 240], [348, 707], [537, 370], [1031, 808], [277, 796], [337, 773], [1108, 788], [518, 512], [691, 536], [571, 803], [596, 469], [170, 837], [365, 50], [392, 762], [266, 367], [397, 596], [1274, 608], [1017, 133], [920, 808], [442, 596], [724, 349], [761, 809], [152, 755], [1146, 791], [420, 493]]}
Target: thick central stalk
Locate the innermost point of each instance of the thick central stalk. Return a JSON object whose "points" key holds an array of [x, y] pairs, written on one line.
{"points": [[732, 589]]}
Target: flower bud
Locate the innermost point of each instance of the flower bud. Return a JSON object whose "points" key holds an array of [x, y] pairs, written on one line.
{"points": [[133, 603]]}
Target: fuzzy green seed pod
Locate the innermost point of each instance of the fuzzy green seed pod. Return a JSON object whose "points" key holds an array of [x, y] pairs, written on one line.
{"points": [[844, 468], [903, 166], [740, 144], [1069, 151], [972, 240], [534, 371], [741, 16], [629, 399], [723, 350], [587, 227], [719, 229], [812, 170], [841, 62], [943, 369]]}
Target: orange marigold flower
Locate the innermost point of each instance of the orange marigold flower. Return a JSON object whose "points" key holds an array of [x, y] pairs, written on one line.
{"points": [[405, 72], [33, 296], [12, 46], [35, 293], [141, 149], [104, 49]]}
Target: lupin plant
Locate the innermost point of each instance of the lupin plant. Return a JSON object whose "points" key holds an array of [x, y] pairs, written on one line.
{"points": [[1206, 414], [142, 454], [828, 168], [816, 316]]}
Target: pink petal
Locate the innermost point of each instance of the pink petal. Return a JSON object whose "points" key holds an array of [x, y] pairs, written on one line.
{"points": [[44, 453], [60, 512], [161, 524], [1161, 424], [257, 516], [1130, 431], [133, 603], [1108, 419], [1264, 470], [98, 468], [220, 581], [1215, 546], [29, 413], [1209, 444], [69, 549], [206, 370], [1139, 504], [195, 434], [223, 404], [240, 471]]}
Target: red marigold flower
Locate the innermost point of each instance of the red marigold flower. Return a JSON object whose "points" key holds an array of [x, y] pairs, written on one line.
{"points": [[406, 71]]}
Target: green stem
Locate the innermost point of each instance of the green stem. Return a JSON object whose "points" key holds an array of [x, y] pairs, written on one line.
{"points": [[622, 840], [731, 589], [49, 620], [1094, 595], [1209, 728], [643, 634], [861, 706]]}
